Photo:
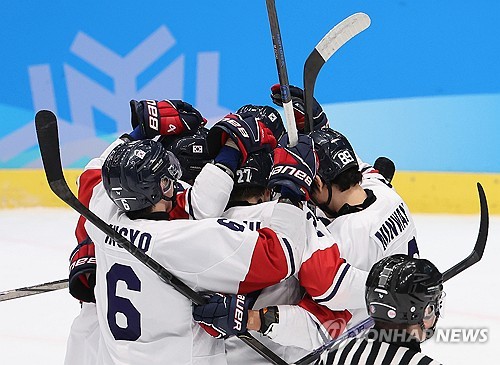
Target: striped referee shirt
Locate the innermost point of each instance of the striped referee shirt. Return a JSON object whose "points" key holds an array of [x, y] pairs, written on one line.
{"points": [[366, 351]]}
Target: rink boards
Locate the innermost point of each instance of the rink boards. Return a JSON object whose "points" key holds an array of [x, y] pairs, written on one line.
{"points": [[424, 192]]}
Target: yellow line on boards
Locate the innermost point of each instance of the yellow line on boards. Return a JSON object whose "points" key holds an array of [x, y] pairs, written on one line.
{"points": [[447, 192], [424, 192]]}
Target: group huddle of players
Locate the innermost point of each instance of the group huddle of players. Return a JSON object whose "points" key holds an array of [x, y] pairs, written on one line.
{"points": [[281, 239]]}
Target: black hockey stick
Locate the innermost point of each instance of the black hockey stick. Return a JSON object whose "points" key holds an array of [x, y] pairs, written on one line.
{"points": [[331, 42], [477, 252], [279, 55], [32, 290], [354, 331], [475, 256], [48, 140]]}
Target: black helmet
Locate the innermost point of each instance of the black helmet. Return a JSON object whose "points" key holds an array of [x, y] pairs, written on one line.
{"points": [[399, 288], [335, 153], [255, 171], [132, 173], [267, 115], [191, 151]]}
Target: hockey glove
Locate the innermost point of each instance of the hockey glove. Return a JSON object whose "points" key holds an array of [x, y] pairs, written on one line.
{"points": [[294, 168], [165, 118], [267, 114], [223, 315], [248, 133], [82, 270], [320, 119]]}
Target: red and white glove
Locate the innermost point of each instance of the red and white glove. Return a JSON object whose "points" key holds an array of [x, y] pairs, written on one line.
{"points": [[294, 168], [165, 117], [247, 131], [82, 271]]}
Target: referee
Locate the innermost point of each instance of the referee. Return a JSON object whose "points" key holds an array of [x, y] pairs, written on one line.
{"points": [[403, 296]]}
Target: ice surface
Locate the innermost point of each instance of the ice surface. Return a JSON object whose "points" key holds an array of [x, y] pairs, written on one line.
{"points": [[35, 245]]}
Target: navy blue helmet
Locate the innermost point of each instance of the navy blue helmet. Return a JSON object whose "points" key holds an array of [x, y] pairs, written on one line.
{"points": [[191, 151], [335, 153], [255, 171], [133, 171]]}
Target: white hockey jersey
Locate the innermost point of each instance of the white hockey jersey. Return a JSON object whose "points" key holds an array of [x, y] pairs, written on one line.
{"points": [[143, 320], [323, 273], [382, 229], [207, 198]]}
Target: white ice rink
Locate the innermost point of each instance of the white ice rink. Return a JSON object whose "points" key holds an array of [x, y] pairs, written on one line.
{"points": [[35, 245]]}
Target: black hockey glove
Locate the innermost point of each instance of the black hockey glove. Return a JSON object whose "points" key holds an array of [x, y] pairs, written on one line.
{"points": [[249, 133], [224, 315], [320, 119], [82, 271], [267, 114], [165, 118], [294, 168]]}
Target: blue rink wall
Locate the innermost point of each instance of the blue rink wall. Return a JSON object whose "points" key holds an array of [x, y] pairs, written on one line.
{"points": [[421, 85]]}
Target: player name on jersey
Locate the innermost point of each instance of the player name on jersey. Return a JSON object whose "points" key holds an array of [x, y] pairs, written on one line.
{"points": [[393, 226], [140, 239]]}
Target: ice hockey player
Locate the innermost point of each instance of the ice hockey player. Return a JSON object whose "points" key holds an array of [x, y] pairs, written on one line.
{"points": [[201, 201], [403, 296], [131, 300], [367, 216], [323, 273]]}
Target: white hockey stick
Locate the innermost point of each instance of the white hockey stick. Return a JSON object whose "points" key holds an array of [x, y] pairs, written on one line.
{"points": [[331, 43], [279, 54], [32, 290]]}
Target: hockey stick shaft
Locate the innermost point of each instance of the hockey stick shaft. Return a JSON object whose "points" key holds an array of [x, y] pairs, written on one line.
{"points": [[477, 252], [32, 290], [327, 46], [354, 331], [48, 140], [279, 55], [474, 257]]}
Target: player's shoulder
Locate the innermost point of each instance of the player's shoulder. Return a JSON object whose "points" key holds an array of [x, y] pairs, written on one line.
{"points": [[250, 211]]}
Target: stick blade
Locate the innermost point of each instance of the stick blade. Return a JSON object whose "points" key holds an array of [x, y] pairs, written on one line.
{"points": [[326, 47], [477, 252], [48, 141], [341, 33]]}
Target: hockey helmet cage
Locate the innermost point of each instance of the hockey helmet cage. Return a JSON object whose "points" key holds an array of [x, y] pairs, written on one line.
{"points": [[335, 153], [132, 173], [399, 288]]}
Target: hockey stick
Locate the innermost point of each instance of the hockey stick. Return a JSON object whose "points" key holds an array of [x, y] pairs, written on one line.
{"points": [[48, 140], [477, 252], [475, 256], [354, 331], [32, 290], [279, 55], [331, 42]]}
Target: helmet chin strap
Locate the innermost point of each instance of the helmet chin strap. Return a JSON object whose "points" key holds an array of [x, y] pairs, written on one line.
{"points": [[325, 206], [172, 199]]}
